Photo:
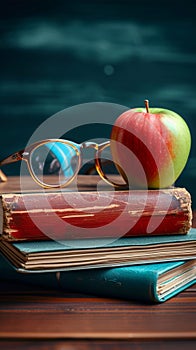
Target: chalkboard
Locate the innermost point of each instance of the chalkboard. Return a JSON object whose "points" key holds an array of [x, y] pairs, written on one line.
{"points": [[57, 54]]}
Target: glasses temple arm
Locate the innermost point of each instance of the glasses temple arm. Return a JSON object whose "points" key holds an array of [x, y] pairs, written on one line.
{"points": [[3, 177], [15, 157]]}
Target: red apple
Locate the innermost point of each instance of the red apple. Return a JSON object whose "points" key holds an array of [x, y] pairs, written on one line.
{"points": [[150, 146]]}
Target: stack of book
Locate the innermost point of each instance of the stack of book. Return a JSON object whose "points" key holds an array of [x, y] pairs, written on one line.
{"points": [[135, 244]]}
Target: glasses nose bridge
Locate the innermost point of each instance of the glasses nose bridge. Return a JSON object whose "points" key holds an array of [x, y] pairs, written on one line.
{"points": [[90, 144]]}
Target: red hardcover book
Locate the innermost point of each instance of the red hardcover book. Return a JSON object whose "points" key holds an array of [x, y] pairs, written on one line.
{"points": [[90, 212]]}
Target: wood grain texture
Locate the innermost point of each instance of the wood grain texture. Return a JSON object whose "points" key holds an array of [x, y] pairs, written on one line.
{"points": [[41, 314], [97, 345]]}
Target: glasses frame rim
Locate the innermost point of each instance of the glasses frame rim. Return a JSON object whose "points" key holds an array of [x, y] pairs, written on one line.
{"points": [[42, 142], [25, 155]]}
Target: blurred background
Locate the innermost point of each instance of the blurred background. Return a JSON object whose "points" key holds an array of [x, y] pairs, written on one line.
{"points": [[55, 54]]}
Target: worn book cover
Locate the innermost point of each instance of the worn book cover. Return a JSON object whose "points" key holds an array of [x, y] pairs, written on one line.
{"points": [[147, 282], [90, 212]]}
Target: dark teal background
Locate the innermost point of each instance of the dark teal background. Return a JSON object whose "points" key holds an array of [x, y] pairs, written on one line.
{"points": [[55, 54]]}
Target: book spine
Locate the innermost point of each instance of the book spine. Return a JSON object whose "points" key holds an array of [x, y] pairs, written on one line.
{"points": [[94, 215], [113, 283]]}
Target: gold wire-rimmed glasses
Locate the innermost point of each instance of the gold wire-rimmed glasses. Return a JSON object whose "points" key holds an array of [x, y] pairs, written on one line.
{"points": [[54, 163]]}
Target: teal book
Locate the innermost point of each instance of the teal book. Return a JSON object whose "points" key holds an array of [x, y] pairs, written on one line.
{"points": [[150, 283], [46, 256]]}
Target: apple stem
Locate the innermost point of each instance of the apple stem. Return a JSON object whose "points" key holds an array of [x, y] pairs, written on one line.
{"points": [[147, 105]]}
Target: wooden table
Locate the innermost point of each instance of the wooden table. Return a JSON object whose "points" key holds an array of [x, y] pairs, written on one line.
{"points": [[32, 317]]}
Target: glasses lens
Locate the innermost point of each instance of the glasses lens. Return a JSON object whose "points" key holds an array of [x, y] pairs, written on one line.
{"points": [[109, 168], [54, 163]]}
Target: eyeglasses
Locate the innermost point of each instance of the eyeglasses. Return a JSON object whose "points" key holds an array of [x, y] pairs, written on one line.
{"points": [[54, 163]]}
